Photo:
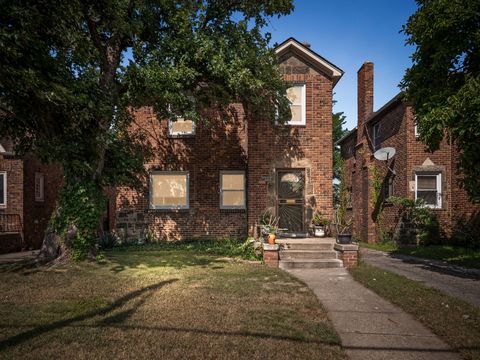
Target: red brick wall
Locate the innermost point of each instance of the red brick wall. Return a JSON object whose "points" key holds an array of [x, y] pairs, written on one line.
{"points": [[14, 169], [306, 147], [221, 145], [38, 213]]}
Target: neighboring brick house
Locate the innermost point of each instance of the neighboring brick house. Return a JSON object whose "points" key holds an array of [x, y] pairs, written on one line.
{"points": [[215, 179], [28, 192], [417, 173]]}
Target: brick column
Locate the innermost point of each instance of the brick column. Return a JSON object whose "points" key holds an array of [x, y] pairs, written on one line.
{"points": [[271, 255], [348, 253]]}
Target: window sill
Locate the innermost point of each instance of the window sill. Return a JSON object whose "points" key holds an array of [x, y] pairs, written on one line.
{"points": [[170, 210], [183, 136], [232, 210]]}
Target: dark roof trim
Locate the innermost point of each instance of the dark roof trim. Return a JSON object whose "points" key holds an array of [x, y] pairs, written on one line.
{"points": [[346, 136], [384, 108]]}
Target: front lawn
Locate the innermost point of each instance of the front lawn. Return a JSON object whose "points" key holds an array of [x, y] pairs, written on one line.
{"points": [[162, 303], [456, 321]]}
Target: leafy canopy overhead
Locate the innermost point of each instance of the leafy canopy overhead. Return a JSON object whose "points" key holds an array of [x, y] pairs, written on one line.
{"points": [[70, 71], [443, 84]]}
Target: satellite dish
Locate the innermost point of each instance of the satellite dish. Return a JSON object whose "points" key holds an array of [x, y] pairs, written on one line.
{"points": [[384, 154]]}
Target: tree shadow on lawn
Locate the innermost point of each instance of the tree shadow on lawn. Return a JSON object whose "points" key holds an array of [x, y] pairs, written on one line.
{"points": [[162, 259], [142, 294]]}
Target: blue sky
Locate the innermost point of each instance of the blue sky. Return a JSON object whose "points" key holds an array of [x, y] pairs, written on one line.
{"points": [[349, 32]]}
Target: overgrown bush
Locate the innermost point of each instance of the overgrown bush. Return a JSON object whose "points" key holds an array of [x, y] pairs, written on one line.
{"points": [[423, 219], [467, 232]]}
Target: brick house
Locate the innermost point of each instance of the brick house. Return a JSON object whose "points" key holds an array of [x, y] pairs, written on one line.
{"points": [[216, 178], [28, 192], [413, 172]]}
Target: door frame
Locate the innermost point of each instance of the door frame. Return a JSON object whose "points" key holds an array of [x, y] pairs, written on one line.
{"points": [[278, 171]]}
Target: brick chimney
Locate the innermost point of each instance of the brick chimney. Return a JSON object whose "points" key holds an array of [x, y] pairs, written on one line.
{"points": [[364, 96]]}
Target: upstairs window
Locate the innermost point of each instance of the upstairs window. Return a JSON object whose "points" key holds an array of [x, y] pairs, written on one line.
{"points": [[3, 188], [169, 190], [181, 127], [232, 190], [388, 187], [376, 136], [296, 95], [417, 134], [428, 187], [39, 187]]}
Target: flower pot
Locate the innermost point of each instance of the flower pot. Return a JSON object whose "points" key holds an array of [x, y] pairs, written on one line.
{"points": [[318, 231], [271, 239], [344, 238]]}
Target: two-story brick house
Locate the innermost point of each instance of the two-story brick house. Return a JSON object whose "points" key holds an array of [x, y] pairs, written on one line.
{"points": [[412, 172], [216, 178], [28, 192]]}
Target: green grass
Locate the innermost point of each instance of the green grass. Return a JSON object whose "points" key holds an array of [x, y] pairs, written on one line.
{"points": [[167, 302], [387, 246], [456, 321], [451, 254]]}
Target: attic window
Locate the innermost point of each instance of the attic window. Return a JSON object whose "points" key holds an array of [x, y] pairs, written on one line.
{"points": [[376, 136], [181, 127], [296, 95]]}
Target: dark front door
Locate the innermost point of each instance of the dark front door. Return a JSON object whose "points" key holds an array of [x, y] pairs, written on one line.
{"points": [[290, 200]]}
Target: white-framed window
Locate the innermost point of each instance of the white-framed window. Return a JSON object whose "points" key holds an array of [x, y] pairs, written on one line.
{"points": [[39, 187], [232, 190], [376, 136], [415, 127], [169, 190], [3, 188], [428, 187], [181, 127], [298, 103]]}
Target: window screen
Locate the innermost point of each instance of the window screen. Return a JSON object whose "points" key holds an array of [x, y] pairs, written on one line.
{"points": [[428, 188], [296, 95], [232, 191], [181, 127], [169, 190]]}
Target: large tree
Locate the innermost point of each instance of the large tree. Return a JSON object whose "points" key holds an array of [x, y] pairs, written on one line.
{"points": [[72, 71], [338, 131], [443, 84]]}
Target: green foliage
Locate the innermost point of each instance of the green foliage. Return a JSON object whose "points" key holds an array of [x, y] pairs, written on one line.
{"points": [[77, 218], [415, 212], [319, 220], [71, 72], [467, 232], [443, 84], [268, 223], [338, 131], [342, 222]]}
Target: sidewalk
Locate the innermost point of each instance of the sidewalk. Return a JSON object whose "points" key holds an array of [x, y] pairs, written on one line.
{"points": [[369, 326], [453, 280]]}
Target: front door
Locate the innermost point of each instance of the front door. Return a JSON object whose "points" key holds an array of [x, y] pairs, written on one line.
{"points": [[290, 200]]}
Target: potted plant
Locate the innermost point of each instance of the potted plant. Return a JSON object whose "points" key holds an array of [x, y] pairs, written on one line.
{"points": [[319, 224], [269, 227]]}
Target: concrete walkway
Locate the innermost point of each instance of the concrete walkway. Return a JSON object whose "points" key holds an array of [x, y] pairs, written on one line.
{"points": [[369, 326], [453, 280]]}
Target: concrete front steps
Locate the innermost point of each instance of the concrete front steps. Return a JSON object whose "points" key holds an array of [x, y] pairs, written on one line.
{"points": [[308, 253]]}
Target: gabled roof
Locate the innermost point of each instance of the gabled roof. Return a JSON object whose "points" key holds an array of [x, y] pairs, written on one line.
{"points": [[325, 66], [346, 136], [384, 108]]}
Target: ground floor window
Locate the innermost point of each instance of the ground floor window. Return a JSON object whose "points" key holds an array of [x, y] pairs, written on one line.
{"points": [[428, 187], [169, 190], [232, 190], [3, 188]]}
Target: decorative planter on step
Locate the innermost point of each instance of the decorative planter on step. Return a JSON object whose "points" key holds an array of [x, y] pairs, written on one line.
{"points": [[319, 231], [344, 238]]}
